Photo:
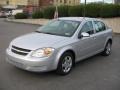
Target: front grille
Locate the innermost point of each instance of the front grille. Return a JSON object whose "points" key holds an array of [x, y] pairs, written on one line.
{"points": [[20, 51]]}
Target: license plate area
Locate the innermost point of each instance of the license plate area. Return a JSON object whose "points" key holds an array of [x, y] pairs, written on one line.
{"points": [[21, 65]]}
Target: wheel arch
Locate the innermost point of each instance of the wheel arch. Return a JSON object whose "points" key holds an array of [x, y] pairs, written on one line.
{"points": [[73, 53], [61, 52], [108, 40]]}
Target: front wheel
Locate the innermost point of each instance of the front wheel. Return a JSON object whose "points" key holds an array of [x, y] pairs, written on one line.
{"points": [[65, 64], [107, 50]]}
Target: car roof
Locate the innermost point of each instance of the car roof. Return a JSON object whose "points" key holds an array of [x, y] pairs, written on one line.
{"points": [[78, 18]]}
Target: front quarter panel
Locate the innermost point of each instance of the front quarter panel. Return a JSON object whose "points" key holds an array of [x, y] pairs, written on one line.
{"points": [[60, 51]]}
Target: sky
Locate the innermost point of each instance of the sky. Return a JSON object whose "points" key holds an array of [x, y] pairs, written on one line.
{"points": [[108, 1]]}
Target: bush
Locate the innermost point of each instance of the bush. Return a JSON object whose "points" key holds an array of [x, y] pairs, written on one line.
{"points": [[76, 11], [108, 10], [118, 10], [63, 11], [37, 14], [49, 12], [20, 16], [92, 10]]}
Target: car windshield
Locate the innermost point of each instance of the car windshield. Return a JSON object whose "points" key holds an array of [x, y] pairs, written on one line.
{"points": [[60, 27]]}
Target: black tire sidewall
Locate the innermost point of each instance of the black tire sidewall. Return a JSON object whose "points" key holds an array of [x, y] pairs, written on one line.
{"points": [[104, 52], [61, 60]]}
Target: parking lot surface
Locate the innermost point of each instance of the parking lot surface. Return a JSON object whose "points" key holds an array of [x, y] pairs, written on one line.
{"points": [[95, 73]]}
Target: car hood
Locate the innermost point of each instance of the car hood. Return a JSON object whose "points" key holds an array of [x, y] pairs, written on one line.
{"points": [[35, 41]]}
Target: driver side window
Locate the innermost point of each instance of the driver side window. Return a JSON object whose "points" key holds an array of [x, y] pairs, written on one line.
{"points": [[88, 28]]}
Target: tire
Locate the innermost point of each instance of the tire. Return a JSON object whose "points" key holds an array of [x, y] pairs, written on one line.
{"points": [[65, 64], [107, 50]]}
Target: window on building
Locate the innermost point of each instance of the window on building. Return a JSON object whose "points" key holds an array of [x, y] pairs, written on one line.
{"points": [[65, 1], [70, 2], [7, 2], [60, 1]]}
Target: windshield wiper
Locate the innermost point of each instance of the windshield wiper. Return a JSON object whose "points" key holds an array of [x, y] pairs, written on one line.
{"points": [[45, 32], [38, 31], [48, 33]]}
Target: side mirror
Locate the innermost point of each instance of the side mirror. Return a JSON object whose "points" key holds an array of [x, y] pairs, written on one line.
{"points": [[84, 34]]}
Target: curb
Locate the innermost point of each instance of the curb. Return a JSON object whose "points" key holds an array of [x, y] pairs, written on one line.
{"points": [[116, 33], [9, 20]]}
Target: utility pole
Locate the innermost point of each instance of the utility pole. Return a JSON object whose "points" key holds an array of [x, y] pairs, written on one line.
{"points": [[113, 1]]}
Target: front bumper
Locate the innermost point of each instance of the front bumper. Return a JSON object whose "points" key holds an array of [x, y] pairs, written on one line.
{"points": [[30, 63]]}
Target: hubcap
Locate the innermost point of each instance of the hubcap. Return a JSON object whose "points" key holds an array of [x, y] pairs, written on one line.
{"points": [[108, 48], [67, 64]]}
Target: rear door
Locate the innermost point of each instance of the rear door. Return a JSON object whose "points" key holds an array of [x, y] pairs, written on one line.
{"points": [[100, 35]]}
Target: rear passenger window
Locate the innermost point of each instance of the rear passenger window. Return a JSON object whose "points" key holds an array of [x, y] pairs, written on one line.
{"points": [[88, 28], [99, 26]]}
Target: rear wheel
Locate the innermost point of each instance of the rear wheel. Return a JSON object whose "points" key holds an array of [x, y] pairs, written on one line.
{"points": [[107, 50], [65, 64]]}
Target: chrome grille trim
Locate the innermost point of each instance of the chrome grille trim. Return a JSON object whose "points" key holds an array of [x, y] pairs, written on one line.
{"points": [[20, 51]]}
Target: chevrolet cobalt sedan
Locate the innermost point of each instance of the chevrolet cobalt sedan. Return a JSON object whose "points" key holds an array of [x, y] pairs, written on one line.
{"points": [[59, 44]]}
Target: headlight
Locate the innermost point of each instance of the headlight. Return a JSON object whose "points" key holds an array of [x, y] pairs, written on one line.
{"points": [[43, 52]]}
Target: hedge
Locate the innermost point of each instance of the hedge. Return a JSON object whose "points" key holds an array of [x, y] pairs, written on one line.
{"points": [[63, 11], [117, 6], [49, 12], [37, 14], [75, 10], [20, 16], [91, 10], [108, 10]]}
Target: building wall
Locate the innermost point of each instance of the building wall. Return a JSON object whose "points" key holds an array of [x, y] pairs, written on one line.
{"points": [[117, 1], [41, 3], [18, 2], [44, 3], [3, 2], [13, 2], [66, 2], [33, 2]]}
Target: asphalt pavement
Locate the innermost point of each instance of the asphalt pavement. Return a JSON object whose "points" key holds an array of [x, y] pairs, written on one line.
{"points": [[95, 73]]}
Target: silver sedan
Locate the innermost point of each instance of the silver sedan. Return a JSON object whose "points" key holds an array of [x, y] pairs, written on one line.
{"points": [[59, 44]]}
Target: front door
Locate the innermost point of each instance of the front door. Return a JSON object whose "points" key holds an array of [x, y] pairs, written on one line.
{"points": [[86, 45]]}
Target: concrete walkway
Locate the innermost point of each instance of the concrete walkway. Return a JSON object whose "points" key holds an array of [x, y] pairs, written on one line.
{"points": [[114, 23]]}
